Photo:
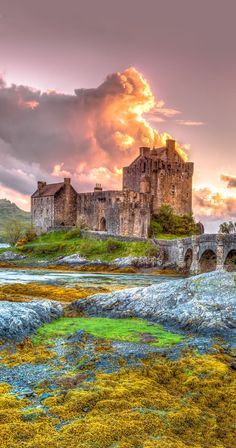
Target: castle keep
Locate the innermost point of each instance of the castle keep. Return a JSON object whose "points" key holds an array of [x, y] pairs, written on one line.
{"points": [[157, 176]]}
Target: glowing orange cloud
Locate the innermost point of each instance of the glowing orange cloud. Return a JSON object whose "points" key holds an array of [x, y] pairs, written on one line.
{"points": [[214, 204], [89, 135]]}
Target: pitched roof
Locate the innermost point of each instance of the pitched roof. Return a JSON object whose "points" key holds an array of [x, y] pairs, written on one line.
{"points": [[48, 190]]}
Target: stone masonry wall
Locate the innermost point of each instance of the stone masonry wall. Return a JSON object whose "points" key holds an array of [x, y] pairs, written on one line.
{"points": [[65, 206], [164, 175], [42, 213], [117, 212]]}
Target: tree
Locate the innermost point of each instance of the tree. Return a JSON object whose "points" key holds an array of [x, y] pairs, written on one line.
{"points": [[228, 227], [14, 230], [167, 222]]}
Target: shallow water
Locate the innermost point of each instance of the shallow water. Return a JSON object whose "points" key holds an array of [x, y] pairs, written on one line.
{"points": [[4, 245], [8, 276]]}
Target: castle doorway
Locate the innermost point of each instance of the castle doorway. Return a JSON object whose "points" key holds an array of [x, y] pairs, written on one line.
{"points": [[103, 225]]}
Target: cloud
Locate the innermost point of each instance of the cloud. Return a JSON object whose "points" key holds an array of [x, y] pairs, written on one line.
{"points": [[213, 205], [231, 180], [48, 134], [190, 123]]}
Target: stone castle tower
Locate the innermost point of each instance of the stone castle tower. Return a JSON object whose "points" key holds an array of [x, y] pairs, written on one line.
{"points": [[157, 176]]}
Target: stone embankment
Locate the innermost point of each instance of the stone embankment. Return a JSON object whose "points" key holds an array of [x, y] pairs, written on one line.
{"points": [[204, 304], [18, 320]]}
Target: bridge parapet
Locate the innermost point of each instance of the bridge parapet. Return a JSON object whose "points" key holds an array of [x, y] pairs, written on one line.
{"points": [[202, 253]]}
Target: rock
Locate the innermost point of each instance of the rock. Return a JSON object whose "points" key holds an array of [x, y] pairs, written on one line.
{"points": [[18, 320], [11, 256], [138, 262], [204, 304], [74, 259]]}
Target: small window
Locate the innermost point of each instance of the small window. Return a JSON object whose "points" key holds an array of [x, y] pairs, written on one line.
{"points": [[173, 190]]}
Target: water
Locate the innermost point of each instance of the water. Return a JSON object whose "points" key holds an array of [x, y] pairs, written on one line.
{"points": [[4, 245], [11, 276]]}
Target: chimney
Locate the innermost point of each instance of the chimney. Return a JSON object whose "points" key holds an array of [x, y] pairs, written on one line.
{"points": [[144, 150], [67, 180], [170, 144], [41, 186], [98, 187]]}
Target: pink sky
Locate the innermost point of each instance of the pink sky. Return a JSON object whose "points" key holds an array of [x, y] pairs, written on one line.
{"points": [[184, 50]]}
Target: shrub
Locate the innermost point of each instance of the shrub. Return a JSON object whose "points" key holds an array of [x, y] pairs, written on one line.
{"points": [[30, 234], [14, 230], [112, 245], [74, 233], [155, 228], [227, 227], [86, 247], [152, 250], [167, 222]]}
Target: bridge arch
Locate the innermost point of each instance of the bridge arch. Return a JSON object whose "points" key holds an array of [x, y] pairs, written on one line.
{"points": [[208, 261], [230, 260], [188, 258]]}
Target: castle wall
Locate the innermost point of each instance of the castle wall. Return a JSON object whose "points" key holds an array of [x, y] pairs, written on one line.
{"points": [[117, 212], [158, 176], [164, 175], [42, 210], [65, 206], [173, 185]]}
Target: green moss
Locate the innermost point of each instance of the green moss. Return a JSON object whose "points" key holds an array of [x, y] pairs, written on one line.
{"points": [[130, 330]]}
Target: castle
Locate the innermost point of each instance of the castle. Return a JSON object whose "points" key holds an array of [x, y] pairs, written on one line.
{"points": [[157, 176]]}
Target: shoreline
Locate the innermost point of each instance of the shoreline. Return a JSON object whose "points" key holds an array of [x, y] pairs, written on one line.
{"points": [[100, 269]]}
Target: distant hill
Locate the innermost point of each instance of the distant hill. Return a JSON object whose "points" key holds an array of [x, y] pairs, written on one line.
{"points": [[9, 211]]}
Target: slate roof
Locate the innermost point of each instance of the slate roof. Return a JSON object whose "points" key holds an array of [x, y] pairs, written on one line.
{"points": [[48, 190]]}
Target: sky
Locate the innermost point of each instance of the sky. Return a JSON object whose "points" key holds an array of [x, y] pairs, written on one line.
{"points": [[84, 83]]}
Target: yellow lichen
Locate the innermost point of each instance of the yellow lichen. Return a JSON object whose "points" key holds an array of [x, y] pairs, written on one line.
{"points": [[24, 293], [26, 352], [166, 404]]}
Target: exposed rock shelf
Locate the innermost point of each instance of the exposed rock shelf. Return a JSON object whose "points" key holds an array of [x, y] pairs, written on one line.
{"points": [[18, 320], [204, 304]]}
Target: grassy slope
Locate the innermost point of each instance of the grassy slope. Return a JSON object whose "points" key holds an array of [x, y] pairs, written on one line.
{"points": [[129, 330], [8, 211], [55, 244]]}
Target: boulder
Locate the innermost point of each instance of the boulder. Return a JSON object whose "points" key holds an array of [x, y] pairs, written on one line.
{"points": [[204, 304], [74, 259], [11, 256], [138, 262], [18, 320]]}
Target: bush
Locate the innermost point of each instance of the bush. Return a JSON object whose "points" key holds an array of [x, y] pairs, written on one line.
{"points": [[113, 245], [227, 227], [152, 250], [86, 248], [30, 234], [74, 233], [14, 230], [155, 228], [167, 222]]}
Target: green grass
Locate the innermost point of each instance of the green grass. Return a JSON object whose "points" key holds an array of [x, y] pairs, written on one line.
{"points": [[55, 244], [170, 236], [128, 330]]}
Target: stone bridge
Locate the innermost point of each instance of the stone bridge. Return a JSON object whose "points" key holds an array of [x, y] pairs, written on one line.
{"points": [[202, 253]]}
